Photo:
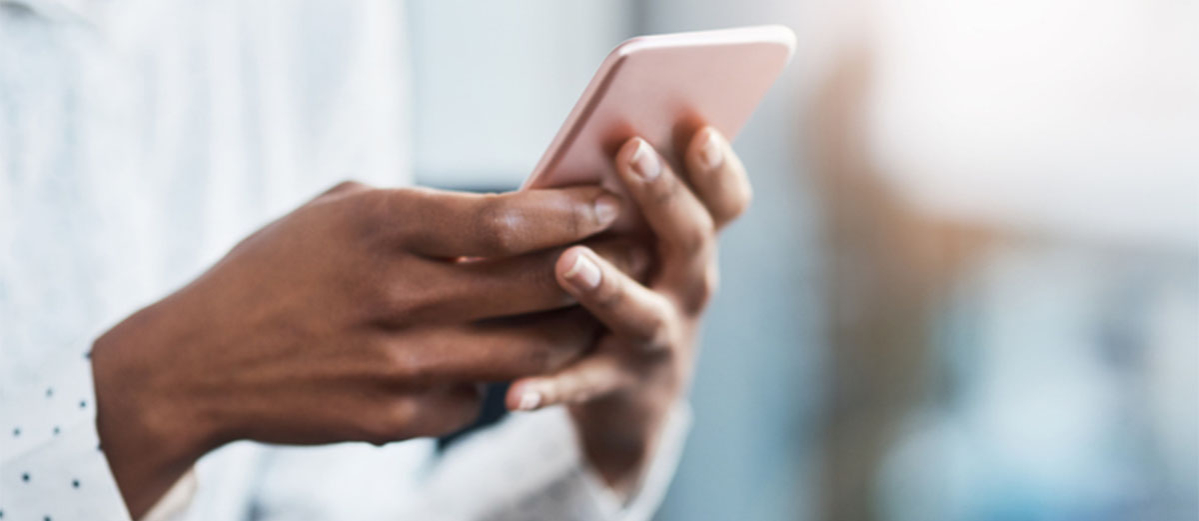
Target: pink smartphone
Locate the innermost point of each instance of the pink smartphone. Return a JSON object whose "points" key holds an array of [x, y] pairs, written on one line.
{"points": [[664, 88]]}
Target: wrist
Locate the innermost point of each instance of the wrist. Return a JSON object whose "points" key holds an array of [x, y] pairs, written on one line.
{"points": [[149, 435], [619, 434]]}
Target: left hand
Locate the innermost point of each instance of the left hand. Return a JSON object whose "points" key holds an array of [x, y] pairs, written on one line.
{"points": [[620, 395]]}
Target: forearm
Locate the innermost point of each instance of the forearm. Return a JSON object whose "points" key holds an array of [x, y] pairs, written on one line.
{"points": [[146, 432], [619, 434], [145, 463], [533, 466]]}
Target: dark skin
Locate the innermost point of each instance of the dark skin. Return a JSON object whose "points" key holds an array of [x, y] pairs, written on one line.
{"points": [[620, 395], [356, 318]]}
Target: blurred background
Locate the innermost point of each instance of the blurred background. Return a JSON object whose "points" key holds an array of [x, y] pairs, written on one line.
{"points": [[969, 286]]}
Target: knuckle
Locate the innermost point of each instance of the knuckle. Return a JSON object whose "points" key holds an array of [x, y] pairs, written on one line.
{"points": [[403, 366], [640, 262], [540, 276], [611, 294], [667, 190], [494, 223], [405, 294], [557, 356], [659, 337], [348, 185], [580, 219], [373, 206], [345, 187], [630, 258], [549, 354], [374, 212], [698, 237], [556, 390], [391, 423], [538, 359], [658, 333], [391, 300], [704, 289]]}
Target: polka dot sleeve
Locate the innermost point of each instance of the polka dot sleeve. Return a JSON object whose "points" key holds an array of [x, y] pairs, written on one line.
{"points": [[51, 464]]}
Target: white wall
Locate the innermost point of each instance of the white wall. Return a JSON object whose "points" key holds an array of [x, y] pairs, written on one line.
{"points": [[1072, 118]]}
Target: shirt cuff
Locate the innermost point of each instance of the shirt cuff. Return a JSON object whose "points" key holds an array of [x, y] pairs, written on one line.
{"points": [[54, 468], [174, 504], [648, 495]]}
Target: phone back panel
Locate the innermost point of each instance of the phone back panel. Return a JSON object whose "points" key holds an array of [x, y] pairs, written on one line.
{"points": [[664, 88]]}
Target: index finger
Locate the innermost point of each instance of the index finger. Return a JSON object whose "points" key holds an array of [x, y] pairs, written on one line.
{"points": [[457, 224]]}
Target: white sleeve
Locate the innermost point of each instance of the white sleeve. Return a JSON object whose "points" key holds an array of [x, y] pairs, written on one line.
{"points": [[51, 465], [532, 467]]}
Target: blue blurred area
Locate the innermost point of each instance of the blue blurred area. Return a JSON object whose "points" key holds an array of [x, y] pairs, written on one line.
{"points": [[758, 386], [968, 288], [758, 381]]}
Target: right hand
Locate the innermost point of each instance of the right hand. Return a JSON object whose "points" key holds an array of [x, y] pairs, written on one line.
{"points": [[352, 318]]}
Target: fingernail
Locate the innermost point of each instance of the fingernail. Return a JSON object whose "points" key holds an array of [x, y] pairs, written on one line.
{"points": [[644, 161], [607, 206], [711, 154], [584, 274], [529, 400]]}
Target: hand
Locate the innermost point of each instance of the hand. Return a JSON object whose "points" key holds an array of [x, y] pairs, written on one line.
{"points": [[352, 318], [620, 394]]}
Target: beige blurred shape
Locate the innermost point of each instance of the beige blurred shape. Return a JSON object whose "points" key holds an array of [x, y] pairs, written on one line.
{"points": [[1069, 118]]}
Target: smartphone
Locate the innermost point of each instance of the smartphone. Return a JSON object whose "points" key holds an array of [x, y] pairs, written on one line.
{"points": [[664, 88]]}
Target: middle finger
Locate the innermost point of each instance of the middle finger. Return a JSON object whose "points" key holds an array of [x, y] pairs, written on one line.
{"points": [[492, 351], [682, 225]]}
